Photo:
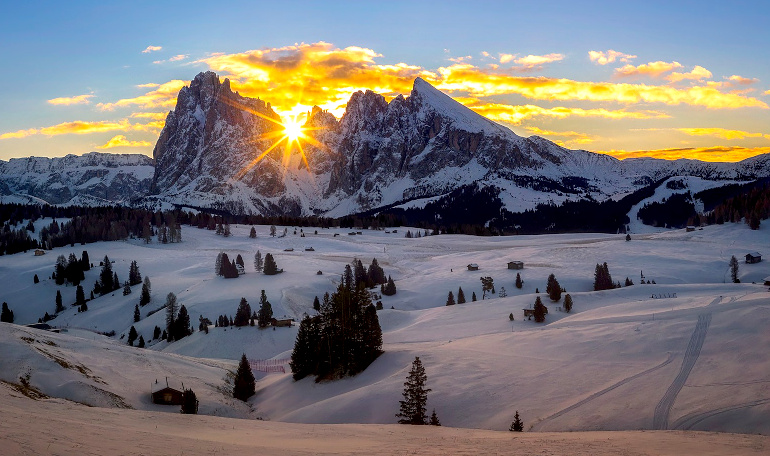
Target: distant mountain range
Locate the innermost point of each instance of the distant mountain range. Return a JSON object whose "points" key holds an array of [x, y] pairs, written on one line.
{"points": [[402, 153]]}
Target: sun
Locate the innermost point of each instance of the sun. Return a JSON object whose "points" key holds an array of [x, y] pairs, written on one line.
{"points": [[292, 128]]}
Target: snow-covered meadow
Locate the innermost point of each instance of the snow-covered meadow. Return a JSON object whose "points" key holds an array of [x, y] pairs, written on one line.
{"points": [[624, 359]]}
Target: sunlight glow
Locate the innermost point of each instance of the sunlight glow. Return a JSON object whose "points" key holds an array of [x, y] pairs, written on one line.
{"points": [[292, 128]]}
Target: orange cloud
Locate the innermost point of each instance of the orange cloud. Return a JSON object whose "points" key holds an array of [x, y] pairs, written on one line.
{"points": [[479, 83], [515, 114], [66, 101], [721, 133], [603, 58], [532, 61], [152, 49], [19, 134], [164, 96], [698, 73], [709, 154], [652, 69], [79, 127], [575, 137], [121, 141], [151, 115]]}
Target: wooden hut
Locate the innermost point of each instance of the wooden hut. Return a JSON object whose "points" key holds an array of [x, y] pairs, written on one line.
{"points": [[167, 395], [753, 257], [39, 252], [473, 267], [515, 265]]}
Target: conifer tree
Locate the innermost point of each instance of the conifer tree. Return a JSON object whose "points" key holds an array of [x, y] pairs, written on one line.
{"points": [[80, 296], [316, 304], [516, 424], [258, 261], [137, 315], [519, 282], [553, 288], [182, 327], [134, 277], [376, 273], [85, 262], [141, 343], [243, 313], [602, 278], [6, 315], [126, 288], [265, 313], [59, 305], [460, 296], [253, 233], [239, 260], [539, 310], [115, 281], [450, 299], [60, 270], [567, 303], [272, 230], [413, 407], [132, 335], [189, 402], [35, 279], [105, 277], [389, 289], [244, 385], [218, 264], [171, 308], [145, 297], [734, 269], [156, 333], [270, 268], [502, 292], [487, 284], [629, 282], [303, 357], [473, 297], [434, 419]]}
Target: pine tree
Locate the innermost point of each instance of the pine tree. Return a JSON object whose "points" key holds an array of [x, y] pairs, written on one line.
{"points": [[218, 264], [35, 279], [137, 315], [105, 277], [629, 282], [316, 304], [450, 299], [189, 402], [376, 274], [141, 343], [516, 425], [270, 267], [413, 407], [434, 419], [303, 357], [389, 289], [126, 288], [80, 296], [134, 277], [115, 281], [567, 303], [258, 261], [85, 262], [487, 284], [272, 230], [59, 305], [553, 288], [253, 233], [132, 336], [156, 333], [473, 297], [510, 316], [182, 327], [239, 260], [243, 313], [539, 310], [145, 298], [602, 278], [460, 296], [244, 385], [734, 269], [265, 313], [519, 282], [60, 268], [6, 316], [171, 308]]}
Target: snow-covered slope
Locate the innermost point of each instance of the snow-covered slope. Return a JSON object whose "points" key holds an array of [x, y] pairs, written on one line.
{"points": [[90, 179]]}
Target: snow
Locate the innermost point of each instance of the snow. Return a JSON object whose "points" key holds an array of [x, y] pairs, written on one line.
{"points": [[605, 366]]}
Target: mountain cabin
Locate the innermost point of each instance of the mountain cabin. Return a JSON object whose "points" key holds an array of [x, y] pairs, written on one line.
{"points": [[166, 395], [473, 267], [515, 265], [753, 257]]}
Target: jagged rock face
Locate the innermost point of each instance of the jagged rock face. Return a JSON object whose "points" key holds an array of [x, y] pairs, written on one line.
{"points": [[93, 178]]}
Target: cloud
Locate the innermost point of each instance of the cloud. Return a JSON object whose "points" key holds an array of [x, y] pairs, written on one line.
{"points": [[604, 58], [651, 69], [532, 61], [766, 92], [79, 127], [709, 154], [505, 58], [175, 58], [150, 115], [722, 133], [66, 101], [460, 59], [735, 79], [152, 49], [573, 136], [697, 74], [121, 141], [480, 83], [164, 96]]}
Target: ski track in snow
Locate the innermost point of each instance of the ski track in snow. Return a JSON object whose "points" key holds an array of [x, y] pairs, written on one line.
{"points": [[688, 421], [663, 409]]}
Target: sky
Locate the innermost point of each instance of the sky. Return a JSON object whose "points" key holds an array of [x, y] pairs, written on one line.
{"points": [[667, 79]]}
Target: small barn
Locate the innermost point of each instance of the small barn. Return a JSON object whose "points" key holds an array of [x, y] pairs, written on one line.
{"points": [[240, 269], [690, 228], [39, 252], [473, 267], [767, 281], [753, 257], [515, 265], [166, 395], [281, 323]]}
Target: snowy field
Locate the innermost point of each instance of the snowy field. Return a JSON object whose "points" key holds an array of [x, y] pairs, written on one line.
{"points": [[634, 358]]}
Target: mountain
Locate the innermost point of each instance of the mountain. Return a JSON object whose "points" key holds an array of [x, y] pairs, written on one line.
{"points": [[380, 154], [90, 179]]}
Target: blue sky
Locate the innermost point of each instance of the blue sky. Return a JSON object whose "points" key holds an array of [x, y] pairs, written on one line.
{"points": [[485, 54]]}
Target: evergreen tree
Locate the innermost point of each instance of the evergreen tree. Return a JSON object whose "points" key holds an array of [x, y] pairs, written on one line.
{"points": [[132, 336], [258, 261], [190, 401], [145, 298], [519, 282], [316, 304], [83, 308], [253, 233], [460, 296], [502, 293], [156, 333], [171, 308], [270, 267], [80, 296], [226, 232], [434, 419], [360, 274], [137, 315], [35, 279], [85, 262], [265, 313], [6, 316], [244, 386], [134, 277], [487, 284], [389, 289], [141, 343], [272, 230], [59, 305], [218, 264], [539, 310], [126, 288], [376, 273], [553, 288], [413, 407], [734, 269], [239, 260], [60, 268], [303, 357], [473, 297], [567, 303], [516, 425], [115, 281], [510, 316], [182, 327], [450, 299], [105, 277], [243, 313]]}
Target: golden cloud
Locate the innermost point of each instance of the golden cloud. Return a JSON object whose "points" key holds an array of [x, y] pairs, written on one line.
{"points": [[574, 136], [151, 115], [121, 141], [79, 127], [709, 154], [652, 69], [164, 96], [515, 114], [66, 101], [152, 49], [505, 58], [721, 133], [697, 74], [603, 58], [766, 92], [735, 79], [531, 61], [19, 134], [479, 83]]}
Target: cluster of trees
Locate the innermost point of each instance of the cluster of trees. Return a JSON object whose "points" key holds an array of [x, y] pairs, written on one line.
{"points": [[417, 234], [133, 335], [602, 278], [177, 319], [733, 203], [6, 315], [71, 269], [450, 300], [343, 339], [108, 279], [673, 212], [226, 268]]}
